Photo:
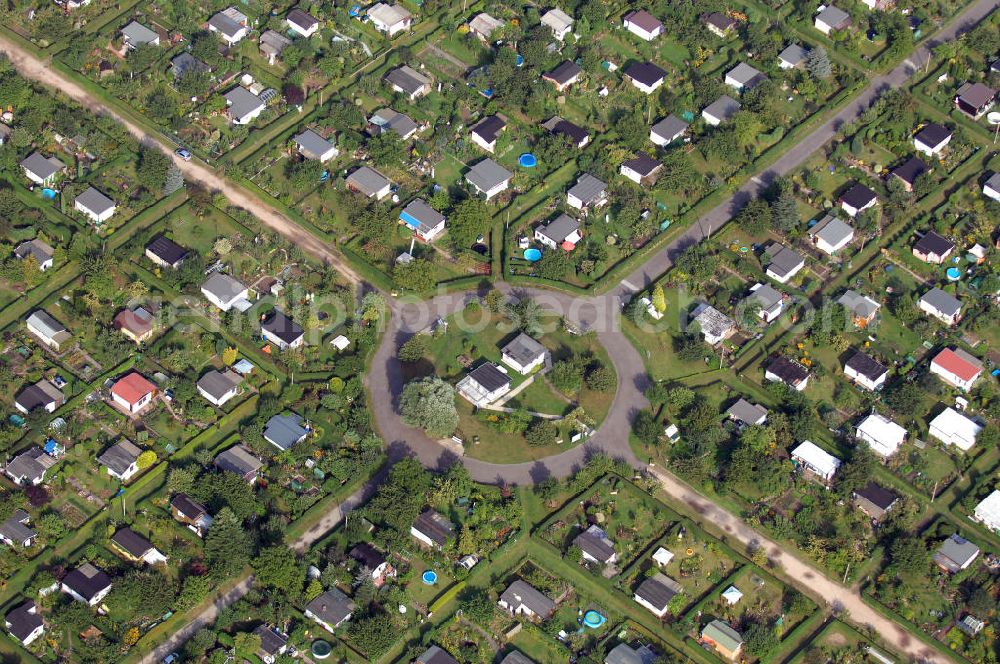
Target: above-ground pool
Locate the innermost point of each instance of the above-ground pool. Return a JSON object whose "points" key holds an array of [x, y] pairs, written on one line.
{"points": [[49, 193], [593, 619], [954, 274], [532, 254], [429, 577], [527, 160], [320, 649]]}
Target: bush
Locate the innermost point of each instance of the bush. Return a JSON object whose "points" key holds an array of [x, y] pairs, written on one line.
{"points": [[646, 428], [414, 349], [567, 375], [542, 432], [601, 379]]}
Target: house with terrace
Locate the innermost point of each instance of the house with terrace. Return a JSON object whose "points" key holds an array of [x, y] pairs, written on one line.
{"points": [[282, 331], [135, 34], [330, 609], [121, 460], [486, 132], [243, 106], [218, 387], [488, 178], [29, 467], [875, 501], [815, 461], [226, 292], [87, 584], [563, 232], [587, 194], [408, 82], [284, 431], [230, 24], [133, 393], [719, 24], [42, 395], [832, 19], [40, 251], [558, 21], [782, 263], [137, 324], [957, 368], [369, 182], [933, 248], [313, 146], [975, 99], [483, 26], [370, 558], [861, 308], [390, 19], [564, 75], [42, 170], [793, 57], [595, 546], [192, 514], [830, 234], [715, 326], [386, 119], [941, 305], [865, 371], [484, 384], [768, 301], [136, 548], [955, 554]]}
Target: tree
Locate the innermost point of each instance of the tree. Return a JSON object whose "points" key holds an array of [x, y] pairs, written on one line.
{"points": [[755, 217], [429, 403], [293, 94], [659, 298], [470, 219], [181, 480], [784, 209], [818, 63], [541, 433], [276, 567], [193, 591], [416, 275], [905, 398], [146, 459], [372, 307], [601, 379], [907, 556], [174, 179], [414, 349], [477, 606], [152, 168], [760, 640], [229, 356], [387, 149], [246, 644], [495, 300], [373, 634], [553, 265], [228, 546], [646, 427], [142, 595], [399, 499], [857, 471], [567, 375]]}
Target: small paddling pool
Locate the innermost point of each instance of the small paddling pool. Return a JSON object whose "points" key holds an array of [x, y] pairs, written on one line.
{"points": [[532, 255], [49, 193], [429, 577], [953, 273], [593, 619], [527, 160]]}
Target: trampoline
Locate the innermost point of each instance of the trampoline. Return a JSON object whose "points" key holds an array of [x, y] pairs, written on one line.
{"points": [[527, 160], [532, 255], [320, 649]]}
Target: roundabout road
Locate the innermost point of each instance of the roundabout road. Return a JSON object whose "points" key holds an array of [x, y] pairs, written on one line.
{"points": [[600, 314]]}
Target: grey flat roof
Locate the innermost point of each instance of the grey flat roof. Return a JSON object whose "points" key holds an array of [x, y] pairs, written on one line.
{"points": [[224, 24], [43, 167], [783, 259], [524, 349], [794, 54], [669, 127], [217, 383], [242, 102], [95, 201], [948, 305], [285, 430], [588, 188], [223, 286], [43, 322], [559, 228], [833, 17], [407, 79], [237, 459], [744, 411], [743, 73], [723, 108], [487, 174], [367, 180], [137, 34], [311, 142], [858, 303], [831, 230]]}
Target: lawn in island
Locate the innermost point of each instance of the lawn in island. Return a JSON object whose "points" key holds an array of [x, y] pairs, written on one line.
{"points": [[476, 336]]}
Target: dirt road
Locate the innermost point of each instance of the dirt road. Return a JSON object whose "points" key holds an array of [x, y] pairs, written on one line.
{"points": [[35, 69], [809, 580]]}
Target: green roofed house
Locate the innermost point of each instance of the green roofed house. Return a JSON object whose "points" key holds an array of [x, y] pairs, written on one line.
{"points": [[723, 639]]}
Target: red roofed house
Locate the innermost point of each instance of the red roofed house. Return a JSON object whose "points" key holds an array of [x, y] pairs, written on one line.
{"points": [[957, 368], [133, 392]]}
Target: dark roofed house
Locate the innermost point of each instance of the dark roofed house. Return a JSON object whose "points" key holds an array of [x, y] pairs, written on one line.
{"points": [[909, 171], [425, 222], [932, 139], [302, 23], [331, 609], [866, 371], [641, 169], [791, 373], [933, 248], [563, 232], [25, 623], [282, 331], [87, 584], [273, 642], [974, 99], [857, 198], [41, 395], [165, 252], [435, 655], [576, 134], [488, 178], [720, 110], [564, 75], [484, 384], [655, 593], [596, 546], [121, 459], [218, 387], [136, 547], [432, 529], [719, 24], [486, 132], [193, 514], [30, 466], [645, 76], [369, 182], [784, 263], [238, 459], [522, 599], [371, 558], [874, 500], [185, 63], [642, 24]]}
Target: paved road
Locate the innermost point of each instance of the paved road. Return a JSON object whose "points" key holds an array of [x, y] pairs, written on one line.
{"points": [[797, 155], [36, 69], [808, 579], [178, 638]]}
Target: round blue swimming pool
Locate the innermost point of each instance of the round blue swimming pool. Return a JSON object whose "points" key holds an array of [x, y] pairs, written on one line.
{"points": [[527, 160], [49, 193], [953, 273], [593, 619], [429, 577], [532, 254]]}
